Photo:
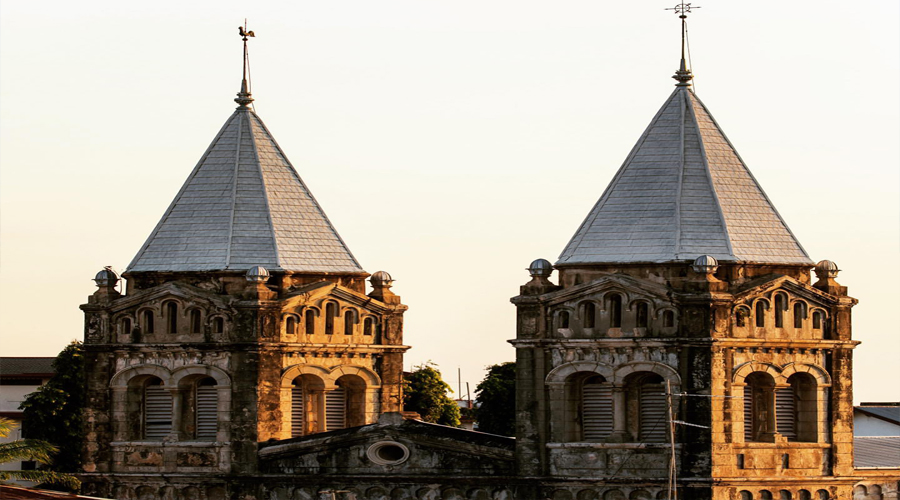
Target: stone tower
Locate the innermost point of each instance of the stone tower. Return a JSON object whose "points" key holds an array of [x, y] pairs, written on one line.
{"points": [[244, 319], [684, 289]]}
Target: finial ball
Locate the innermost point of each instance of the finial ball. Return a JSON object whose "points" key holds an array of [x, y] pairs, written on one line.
{"points": [[106, 277], [705, 264], [257, 274], [381, 278], [826, 269], [540, 268]]}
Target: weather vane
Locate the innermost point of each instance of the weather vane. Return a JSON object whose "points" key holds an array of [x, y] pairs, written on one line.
{"points": [[243, 97], [683, 75]]}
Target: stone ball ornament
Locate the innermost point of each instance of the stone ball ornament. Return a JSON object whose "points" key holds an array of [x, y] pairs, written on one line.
{"points": [[381, 278], [257, 274], [705, 264], [826, 269], [106, 277], [540, 268]]}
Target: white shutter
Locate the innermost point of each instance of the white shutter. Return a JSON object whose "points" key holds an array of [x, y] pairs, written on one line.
{"points": [[157, 412], [207, 411], [296, 411], [748, 413], [335, 409], [597, 411], [654, 420], [785, 412]]}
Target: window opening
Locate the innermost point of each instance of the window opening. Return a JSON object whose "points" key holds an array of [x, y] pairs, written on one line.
{"points": [[643, 315], [564, 319], [336, 409], [297, 409], [172, 317], [786, 412], [196, 325], [126, 326], [597, 409], [615, 311], [799, 314], [817, 320], [740, 318], [349, 322], [219, 325], [157, 410], [310, 318], [290, 325], [779, 310], [761, 307], [652, 403], [207, 408], [367, 326], [148, 321], [668, 319], [590, 315], [330, 313]]}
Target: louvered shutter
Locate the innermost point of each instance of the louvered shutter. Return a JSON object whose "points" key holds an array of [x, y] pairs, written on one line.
{"points": [[785, 412], [207, 411], [748, 413], [597, 411], [335, 409], [296, 411], [157, 412], [654, 421]]}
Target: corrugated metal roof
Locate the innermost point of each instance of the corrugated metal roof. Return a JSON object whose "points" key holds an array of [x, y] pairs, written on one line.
{"points": [[9, 492], [876, 451], [683, 192], [890, 413], [244, 205], [10, 367]]}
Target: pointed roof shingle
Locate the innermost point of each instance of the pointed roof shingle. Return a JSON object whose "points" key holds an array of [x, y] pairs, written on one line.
{"points": [[683, 192], [244, 205]]}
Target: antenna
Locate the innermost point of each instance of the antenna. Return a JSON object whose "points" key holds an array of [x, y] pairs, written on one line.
{"points": [[683, 75]]}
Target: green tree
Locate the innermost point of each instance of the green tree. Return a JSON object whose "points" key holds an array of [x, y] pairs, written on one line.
{"points": [[495, 400], [31, 449], [425, 392], [53, 412]]}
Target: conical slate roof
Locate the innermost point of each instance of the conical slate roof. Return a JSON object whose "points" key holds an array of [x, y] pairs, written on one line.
{"points": [[244, 205], [683, 192]]}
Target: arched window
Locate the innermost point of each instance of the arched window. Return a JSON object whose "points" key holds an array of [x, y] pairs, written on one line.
{"points": [[759, 407], [349, 321], [336, 409], [804, 495], [796, 412], [306, 398], [642, 315], [290, 325], [784, 495], [646, 407], [740, 317], [596, 409], [761, 307], [147, 317], [196, 324], [588, 315], [368, 326], [746, 495], [330, 313], [207, 414], [668, 319], [172, 317], [157, 406], [765, 495], [297, 399], [310, 318], [615, 311], [799, 314], [126, 326], [822, 494], [817, 321], [780, 307], [563, 320], [219, 325]]}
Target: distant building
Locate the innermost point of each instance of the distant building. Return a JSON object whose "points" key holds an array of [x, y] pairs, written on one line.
{"points": [[876, 435], [19, 377]]}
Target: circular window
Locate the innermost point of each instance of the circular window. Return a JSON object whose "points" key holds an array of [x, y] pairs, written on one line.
{"points": [[388, 453]]}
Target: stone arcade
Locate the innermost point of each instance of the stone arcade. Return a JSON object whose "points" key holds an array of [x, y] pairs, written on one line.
{"points": [[246, 361]]}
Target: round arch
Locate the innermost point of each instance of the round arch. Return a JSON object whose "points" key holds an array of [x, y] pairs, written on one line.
{"points": [[561, 373], [819, 373], [222, 379], [371, 379], [292, 372], [122, 377], [742, 371], [665, 371]]}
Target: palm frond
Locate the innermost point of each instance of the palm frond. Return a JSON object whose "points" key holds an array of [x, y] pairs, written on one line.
{"points": [[27, 449], [42, 477]]}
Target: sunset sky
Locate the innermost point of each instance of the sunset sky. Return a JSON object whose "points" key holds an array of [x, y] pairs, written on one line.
{"points": [[450, 143]]}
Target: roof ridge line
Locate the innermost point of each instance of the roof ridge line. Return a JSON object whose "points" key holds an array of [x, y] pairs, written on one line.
{"points": [[758, 185], [680, 178], [712, 185], [234, 183], [616, 177], [179, 193], [308, 191], [262, 179]]}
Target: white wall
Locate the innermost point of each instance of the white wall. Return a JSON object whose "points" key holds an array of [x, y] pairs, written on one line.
{"points": [[864, 425]]}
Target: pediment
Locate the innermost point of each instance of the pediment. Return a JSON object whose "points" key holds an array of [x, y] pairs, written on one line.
{"points": [[767, 286], [316, 294], [393, 445], [627, 285], [171, 290]]}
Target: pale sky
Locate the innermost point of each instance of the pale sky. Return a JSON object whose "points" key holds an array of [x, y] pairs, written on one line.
{"points": [[450, 143]]}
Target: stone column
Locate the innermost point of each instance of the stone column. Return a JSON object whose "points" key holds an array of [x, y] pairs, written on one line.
{"points": [[620, 407], [177, 431]]}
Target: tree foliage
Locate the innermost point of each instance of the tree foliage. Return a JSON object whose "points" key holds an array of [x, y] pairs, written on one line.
{"points": [[31, 449], [53, 412], [425, 392], [495, 400]]}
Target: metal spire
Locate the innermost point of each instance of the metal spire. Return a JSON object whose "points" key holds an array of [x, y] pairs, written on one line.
{"points": [[243, 98], [683, 75]]}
